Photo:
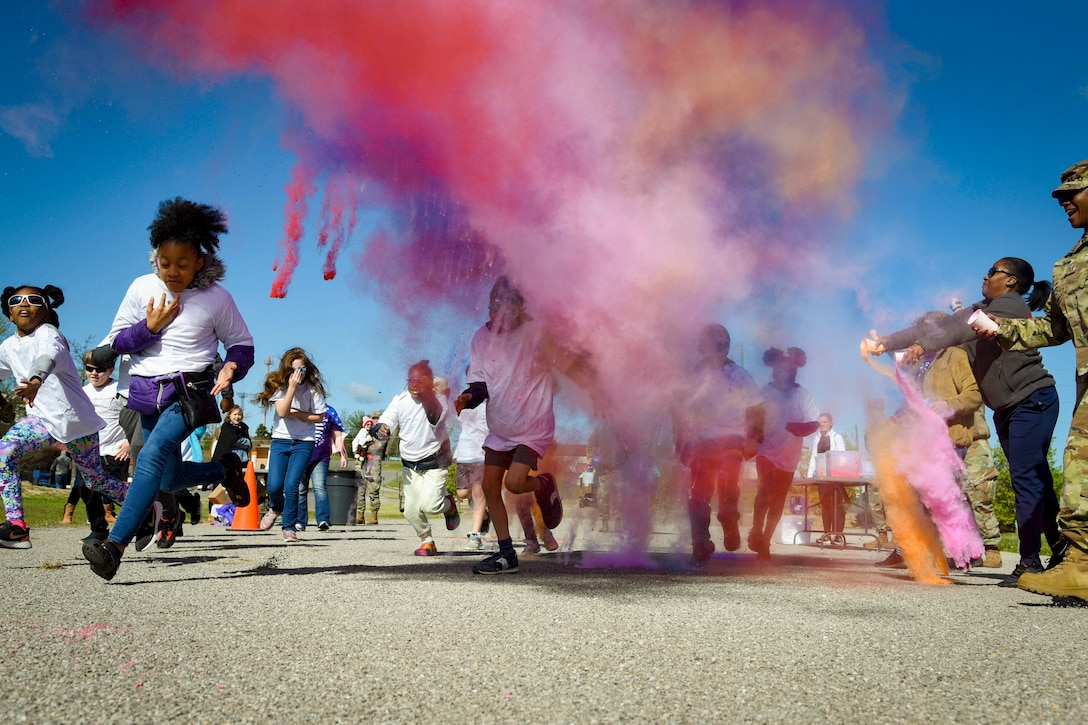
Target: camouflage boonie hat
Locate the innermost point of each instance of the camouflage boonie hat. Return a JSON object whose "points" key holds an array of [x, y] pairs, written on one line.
{"points": [[1074, 178]]}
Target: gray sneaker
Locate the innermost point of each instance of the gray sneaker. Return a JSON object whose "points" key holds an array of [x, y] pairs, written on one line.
{"points": [[475, 541]]}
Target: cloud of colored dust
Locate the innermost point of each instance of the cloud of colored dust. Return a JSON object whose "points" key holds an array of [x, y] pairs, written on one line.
{"points": [[635, 167]]}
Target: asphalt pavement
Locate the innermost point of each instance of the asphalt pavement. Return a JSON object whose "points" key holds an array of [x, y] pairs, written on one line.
{"points": [[349, 626]]}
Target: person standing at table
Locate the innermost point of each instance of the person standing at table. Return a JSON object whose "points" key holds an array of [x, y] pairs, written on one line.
{"points": [[832, 497]]}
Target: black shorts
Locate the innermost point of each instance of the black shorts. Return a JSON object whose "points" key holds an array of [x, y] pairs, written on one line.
{"points": [[503, 459]]}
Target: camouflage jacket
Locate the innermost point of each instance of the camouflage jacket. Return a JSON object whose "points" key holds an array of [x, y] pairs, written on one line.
{"points": [[1066, 311]]}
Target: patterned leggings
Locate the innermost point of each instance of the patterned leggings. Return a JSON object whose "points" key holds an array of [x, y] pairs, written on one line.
{"points": [[29, 435]]}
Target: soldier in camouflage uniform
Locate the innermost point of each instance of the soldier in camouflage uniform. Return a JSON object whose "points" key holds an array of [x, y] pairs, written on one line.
{"points": [[1066, 319]]}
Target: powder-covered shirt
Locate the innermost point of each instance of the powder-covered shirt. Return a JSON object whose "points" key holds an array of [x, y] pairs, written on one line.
{"points": [[109, 405], [780, 407], [716, 405], [520, 387], [306, 399], [61, 405]]}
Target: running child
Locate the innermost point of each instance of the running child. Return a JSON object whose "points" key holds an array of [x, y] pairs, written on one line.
{"points": [[171, 323], [58, 410], [421, 415], [512, 364]]}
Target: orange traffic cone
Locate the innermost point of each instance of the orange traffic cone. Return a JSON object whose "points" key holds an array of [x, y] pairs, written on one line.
{"points": [[248, 518]]}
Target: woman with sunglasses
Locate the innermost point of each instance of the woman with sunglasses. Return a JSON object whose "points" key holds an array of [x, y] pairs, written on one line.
{"points": [[297, 393], [1015, 386], [58, 409]]}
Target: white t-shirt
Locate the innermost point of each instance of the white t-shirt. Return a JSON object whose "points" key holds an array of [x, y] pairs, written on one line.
{"points": [[306, 399], [61, 405], [109, 406], [189, 343], [795, 405], [470, 444], [716, 405], [418, 438], [520, 387]]}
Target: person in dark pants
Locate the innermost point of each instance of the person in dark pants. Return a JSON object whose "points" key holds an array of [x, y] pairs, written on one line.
{"points": [[1014, 385]]}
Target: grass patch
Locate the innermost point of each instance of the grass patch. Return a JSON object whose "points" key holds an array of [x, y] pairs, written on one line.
{"points": [[1011, 542]]}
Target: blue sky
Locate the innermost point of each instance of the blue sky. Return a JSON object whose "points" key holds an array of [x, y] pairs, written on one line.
{"points": [[91, 141]]}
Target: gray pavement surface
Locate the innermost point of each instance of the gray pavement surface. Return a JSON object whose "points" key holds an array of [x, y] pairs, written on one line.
{"points": [[349, 626]]}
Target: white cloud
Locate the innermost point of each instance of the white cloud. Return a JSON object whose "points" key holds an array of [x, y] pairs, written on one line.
{"points": [[365, 394], [33, 124]]}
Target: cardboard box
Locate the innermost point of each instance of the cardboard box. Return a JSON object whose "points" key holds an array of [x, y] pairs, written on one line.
{"points": [[839, 464]]}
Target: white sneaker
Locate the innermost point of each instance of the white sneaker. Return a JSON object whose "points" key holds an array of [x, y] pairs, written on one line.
{"points": [[475, 541]]}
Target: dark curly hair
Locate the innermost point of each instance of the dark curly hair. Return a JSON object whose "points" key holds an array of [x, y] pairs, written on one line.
{"points": [[54, 298], [181, 220]]}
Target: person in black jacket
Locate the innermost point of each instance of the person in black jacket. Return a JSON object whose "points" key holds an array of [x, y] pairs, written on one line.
{"points": [[1015, 386]]}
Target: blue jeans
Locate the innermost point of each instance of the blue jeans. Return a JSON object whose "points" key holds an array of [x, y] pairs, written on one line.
{"points": [[160, 468], [287, 462], [316, 474], [1025, 431]]}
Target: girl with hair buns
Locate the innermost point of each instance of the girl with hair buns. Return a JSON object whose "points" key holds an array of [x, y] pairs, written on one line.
{"points": [[58, 409], [789, 414], [1014, 385]]}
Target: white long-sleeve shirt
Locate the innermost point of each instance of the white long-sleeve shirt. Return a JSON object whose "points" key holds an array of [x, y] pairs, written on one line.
{"points": [[61, 405]]}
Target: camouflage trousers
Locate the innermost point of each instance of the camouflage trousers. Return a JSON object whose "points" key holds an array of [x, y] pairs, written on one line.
{"points": [[1073, 511], [980, 485], [369, 486]]}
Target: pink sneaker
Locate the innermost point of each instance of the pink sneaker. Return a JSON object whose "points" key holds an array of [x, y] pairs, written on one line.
{"points": [[269, 520], [549, 540]]}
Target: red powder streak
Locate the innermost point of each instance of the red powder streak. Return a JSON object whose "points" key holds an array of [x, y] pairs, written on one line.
{"points": [[299, 191]]}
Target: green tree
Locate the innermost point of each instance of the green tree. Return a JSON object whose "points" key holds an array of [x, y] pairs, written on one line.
{"points": [[1005, 499], [261, 431]]}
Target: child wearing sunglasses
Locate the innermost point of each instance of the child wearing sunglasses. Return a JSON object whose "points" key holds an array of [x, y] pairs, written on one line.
{"points": [[58, 410]]}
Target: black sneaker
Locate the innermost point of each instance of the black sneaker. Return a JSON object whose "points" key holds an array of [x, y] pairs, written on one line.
{"points": [[149, 530], [168, 532], [895, 560], [547, 496], [234, 480], [323, 526], [96, 535], [13, 536], [1013, 579], [104, 558], [1057, 555], [497, 563]]}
